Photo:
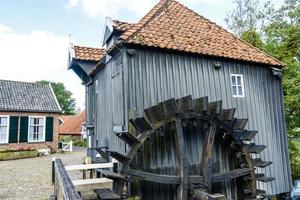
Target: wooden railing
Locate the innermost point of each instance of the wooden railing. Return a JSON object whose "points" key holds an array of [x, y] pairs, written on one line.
{"points": [[64, 186], [62, 183]]}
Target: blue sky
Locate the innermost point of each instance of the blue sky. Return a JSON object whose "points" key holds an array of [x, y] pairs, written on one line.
{"points": [[34, 33]]}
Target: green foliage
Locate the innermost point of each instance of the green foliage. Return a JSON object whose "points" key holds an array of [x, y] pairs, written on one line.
{"points": [[280, 37], [253, 38], [64, 97], [294, 153]]}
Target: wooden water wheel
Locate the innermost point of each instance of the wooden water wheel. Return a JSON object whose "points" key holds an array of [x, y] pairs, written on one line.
{"points": [[189, 149]]}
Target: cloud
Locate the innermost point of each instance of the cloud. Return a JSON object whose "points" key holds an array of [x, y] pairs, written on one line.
{"points": [[116, 8], [111, 8], [37, 55]]}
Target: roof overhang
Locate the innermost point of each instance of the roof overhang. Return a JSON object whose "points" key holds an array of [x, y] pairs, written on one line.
{"points": [[81, 68]]}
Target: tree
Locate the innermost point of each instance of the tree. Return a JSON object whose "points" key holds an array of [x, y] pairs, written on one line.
{"points": [[253, 38], [250, 15], [280, 37], [64, 97]]}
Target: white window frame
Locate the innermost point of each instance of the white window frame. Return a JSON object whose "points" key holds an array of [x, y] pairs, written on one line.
{"points": [[7, 131], [44, 129], [237, 85]]}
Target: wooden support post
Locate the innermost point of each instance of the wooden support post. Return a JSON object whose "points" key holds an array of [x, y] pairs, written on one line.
{"points": [[53, 170], [183, 162], [54, 193], [206, 161]]}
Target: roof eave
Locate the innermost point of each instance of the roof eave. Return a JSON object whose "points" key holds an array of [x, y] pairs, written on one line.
{"points": [[128, 44], [31, 111]]}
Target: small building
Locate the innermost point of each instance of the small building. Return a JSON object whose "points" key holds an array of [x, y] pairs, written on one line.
{"points": [[28, 115], [72, 126], [173, 52]]}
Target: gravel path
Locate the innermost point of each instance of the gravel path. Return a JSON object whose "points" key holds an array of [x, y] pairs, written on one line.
{"points": [[31, 178]]}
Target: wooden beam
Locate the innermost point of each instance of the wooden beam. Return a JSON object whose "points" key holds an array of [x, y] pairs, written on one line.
{"points": [[155, 178], [91, 181], [206, 160], [88, 166], [183, 162], [220, 177]]}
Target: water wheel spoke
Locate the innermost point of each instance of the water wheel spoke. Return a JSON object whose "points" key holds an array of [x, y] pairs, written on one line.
{"points": [[230, 174], [183, 161], [206, 161], [220, 177], [155, 178]]}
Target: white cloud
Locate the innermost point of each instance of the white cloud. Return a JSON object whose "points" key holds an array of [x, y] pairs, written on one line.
{"points": [[37, 55], [111, 8], [115, 8]]}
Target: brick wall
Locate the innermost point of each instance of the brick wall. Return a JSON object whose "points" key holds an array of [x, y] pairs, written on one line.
{"points": [[37, 145]]}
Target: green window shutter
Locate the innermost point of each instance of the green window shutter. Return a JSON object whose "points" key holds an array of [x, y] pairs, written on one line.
{"points": [[13, 129], [23, 129], [49, 129]]}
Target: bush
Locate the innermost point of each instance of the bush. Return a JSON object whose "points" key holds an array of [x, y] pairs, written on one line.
{"points": [[81, 143]]}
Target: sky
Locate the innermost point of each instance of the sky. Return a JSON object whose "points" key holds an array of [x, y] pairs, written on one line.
{"points": [[35, 34]]}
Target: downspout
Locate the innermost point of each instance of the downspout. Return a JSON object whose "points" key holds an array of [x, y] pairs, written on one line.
{"points": [[89, 124]]}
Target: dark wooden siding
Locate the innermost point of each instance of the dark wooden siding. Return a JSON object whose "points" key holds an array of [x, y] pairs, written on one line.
{"points": [[156, 76]]}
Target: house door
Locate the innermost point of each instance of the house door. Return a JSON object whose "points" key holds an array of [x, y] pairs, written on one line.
{"points": [[117, 98]]}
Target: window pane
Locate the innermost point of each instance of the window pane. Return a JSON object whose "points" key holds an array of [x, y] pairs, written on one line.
{"points": [[234, 90], [40, 129], [3, 120], [240, 90], [3, 134], [3, 130], [233, 80], [41, 121], [239, 80]]}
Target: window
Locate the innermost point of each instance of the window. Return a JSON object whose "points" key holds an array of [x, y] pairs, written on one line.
{"points": [[237, 85], [36, 129], [4, 124]]}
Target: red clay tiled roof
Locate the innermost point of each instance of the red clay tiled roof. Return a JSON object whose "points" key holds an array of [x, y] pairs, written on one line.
{"points": [[72, 124], [121, 26], [170, 25], [88, 53]]}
